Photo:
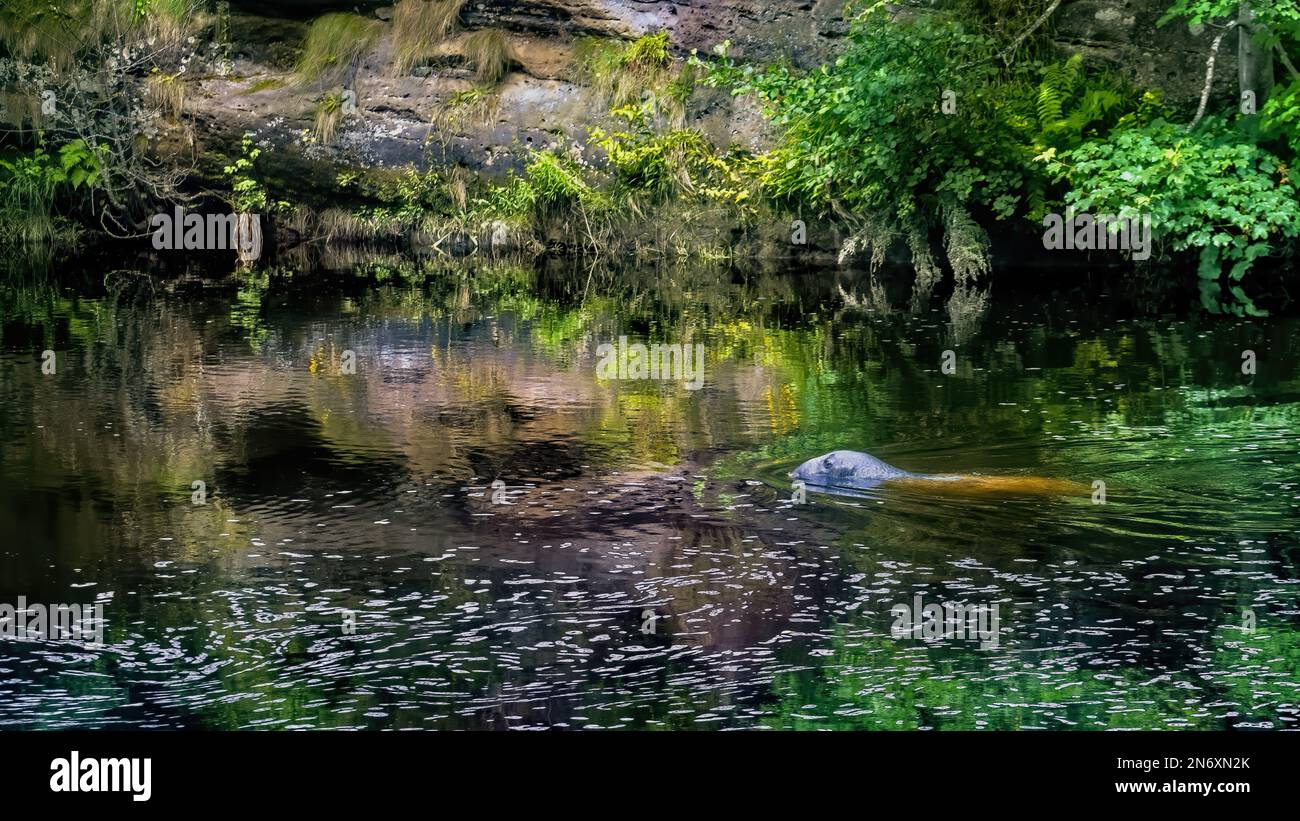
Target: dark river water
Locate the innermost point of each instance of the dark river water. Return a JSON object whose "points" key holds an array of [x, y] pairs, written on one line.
{"points": [[642, 560]]}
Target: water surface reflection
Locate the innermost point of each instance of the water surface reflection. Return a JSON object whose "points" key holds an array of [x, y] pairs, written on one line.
{"points": [[371, 493]]}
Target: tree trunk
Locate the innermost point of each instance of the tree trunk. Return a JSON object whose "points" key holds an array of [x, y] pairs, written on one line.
{"points": [[1254, 63], [248, 237]]}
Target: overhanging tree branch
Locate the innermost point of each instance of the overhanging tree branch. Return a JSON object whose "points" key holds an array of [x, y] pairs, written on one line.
{"points": [[1209, 73], [1035, 26], [1286, 61], [1020, 38]]}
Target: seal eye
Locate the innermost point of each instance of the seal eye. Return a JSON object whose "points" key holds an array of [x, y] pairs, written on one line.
{"points": [[828, 463]]}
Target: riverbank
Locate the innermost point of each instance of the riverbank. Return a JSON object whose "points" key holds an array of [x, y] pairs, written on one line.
{"points": [[618, 131]]}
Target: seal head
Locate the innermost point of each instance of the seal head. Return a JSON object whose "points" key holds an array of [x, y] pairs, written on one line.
{"points": [[848, 468]]}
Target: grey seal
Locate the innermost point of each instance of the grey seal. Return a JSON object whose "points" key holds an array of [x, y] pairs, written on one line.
{"points": [[855, 470]]}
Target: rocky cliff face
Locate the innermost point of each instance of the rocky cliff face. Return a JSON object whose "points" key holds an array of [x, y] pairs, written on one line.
{"points": [[539, 104]]}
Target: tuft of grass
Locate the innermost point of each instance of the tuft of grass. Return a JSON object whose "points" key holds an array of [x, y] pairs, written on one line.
{"points": [[28, 185], [457, 181], [635, 73], [30, 29], [334, 44], [329, 115], [558, 182], [169, 22], [490, 53], [647, 51], [339, 225], [597, 63], [552, 199], [59, 32], [25, 214], [472, 105], [418, 27], [167, 91], [21, 111]]}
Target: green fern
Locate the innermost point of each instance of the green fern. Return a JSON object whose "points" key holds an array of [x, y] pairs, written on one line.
{"points": [[1059, 84], [1096, 106], [1072, 106]]}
